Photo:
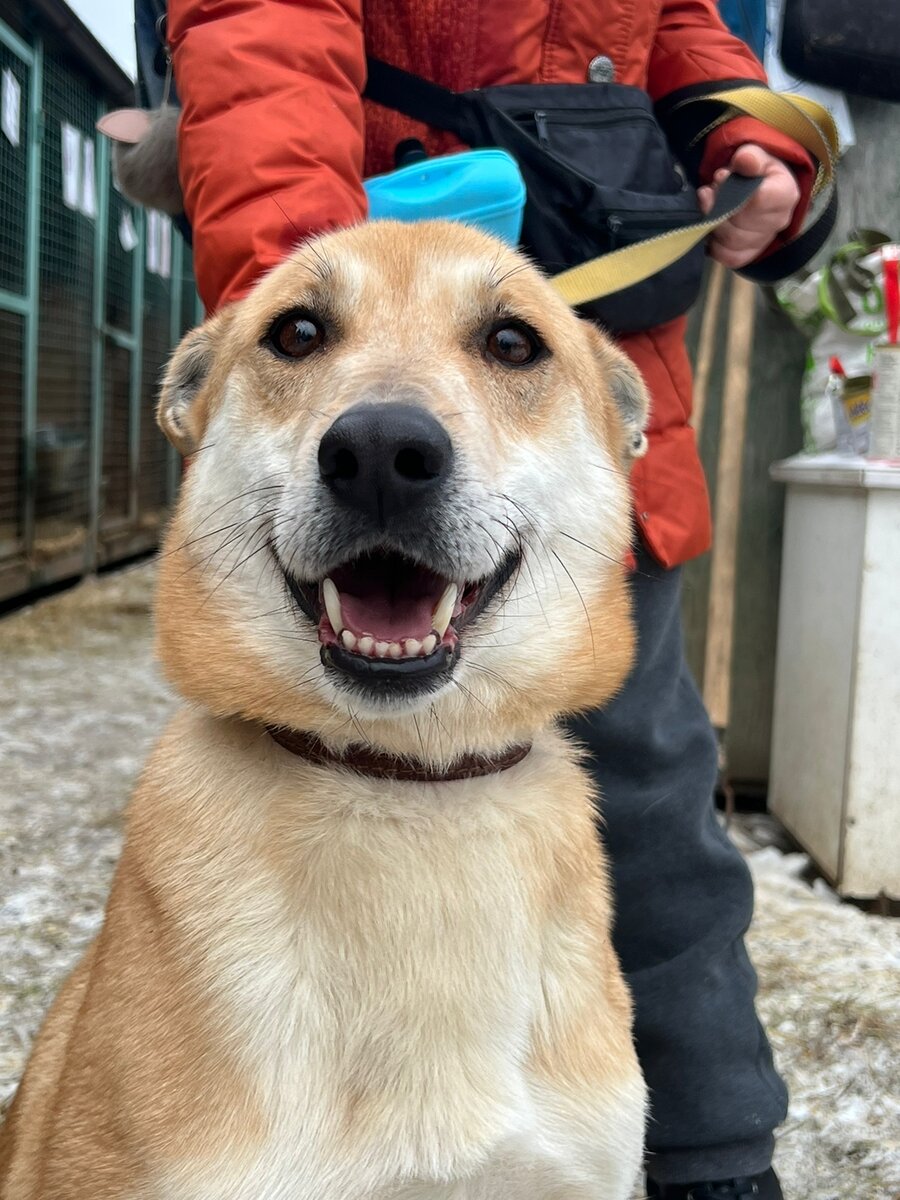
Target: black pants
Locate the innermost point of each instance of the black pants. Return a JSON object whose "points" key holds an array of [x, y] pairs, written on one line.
{"points": [[683, 903]]}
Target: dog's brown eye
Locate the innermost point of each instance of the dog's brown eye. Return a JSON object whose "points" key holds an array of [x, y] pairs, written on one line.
{"points": [[296, 335], [514, 344]]}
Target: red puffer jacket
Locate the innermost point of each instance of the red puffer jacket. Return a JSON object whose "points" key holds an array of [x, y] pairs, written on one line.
{"points": [[275, 141]]}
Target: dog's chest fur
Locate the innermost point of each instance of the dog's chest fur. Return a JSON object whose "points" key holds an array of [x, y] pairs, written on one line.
{"points": [[380, 964]]}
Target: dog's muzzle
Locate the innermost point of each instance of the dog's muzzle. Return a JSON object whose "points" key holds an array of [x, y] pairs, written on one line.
{"points": [[390, 617]]}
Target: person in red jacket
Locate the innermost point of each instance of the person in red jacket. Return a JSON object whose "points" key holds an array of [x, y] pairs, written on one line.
{"points": [[275, 140]]}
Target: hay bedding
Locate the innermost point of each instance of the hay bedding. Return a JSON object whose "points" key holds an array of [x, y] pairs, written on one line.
{"points": [[81, 704]]}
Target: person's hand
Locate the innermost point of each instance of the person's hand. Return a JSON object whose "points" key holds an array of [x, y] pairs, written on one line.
{"points": [[742, 239]]}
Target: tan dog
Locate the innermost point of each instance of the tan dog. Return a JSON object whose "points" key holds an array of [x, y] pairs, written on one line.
{"points": [[403, 529]]}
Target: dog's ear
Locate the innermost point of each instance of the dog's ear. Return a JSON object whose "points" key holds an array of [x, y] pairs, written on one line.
{"points": [[185, 375], [627, 388]]}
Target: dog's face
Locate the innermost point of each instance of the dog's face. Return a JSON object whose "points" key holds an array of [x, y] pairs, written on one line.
{"points": [[407, 507]]}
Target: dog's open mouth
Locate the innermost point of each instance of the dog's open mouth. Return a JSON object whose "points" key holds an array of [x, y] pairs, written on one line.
{"points": [[386, 620]]}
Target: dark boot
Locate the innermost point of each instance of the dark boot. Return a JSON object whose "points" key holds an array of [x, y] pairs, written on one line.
{"points": [[747, 1187]]}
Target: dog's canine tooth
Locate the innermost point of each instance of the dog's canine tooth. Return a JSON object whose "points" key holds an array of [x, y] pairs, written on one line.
{"points": [[349, 639], [429, 644], [381, 649], [413, 647], [332, 599], [443, 611], [395, 650], [366, 644]]}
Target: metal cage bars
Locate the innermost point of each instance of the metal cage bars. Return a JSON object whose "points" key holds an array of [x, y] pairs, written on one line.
{"points": [[94, 412]]}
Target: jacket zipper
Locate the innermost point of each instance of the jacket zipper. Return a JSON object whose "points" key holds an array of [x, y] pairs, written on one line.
{"points": [[543, 119]]}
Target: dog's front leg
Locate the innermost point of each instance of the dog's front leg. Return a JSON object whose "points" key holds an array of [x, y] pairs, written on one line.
{"points": [[586, 1079]]}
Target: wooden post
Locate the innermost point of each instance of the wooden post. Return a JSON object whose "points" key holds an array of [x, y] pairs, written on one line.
{"points": [[723, 578], [706, 343]]}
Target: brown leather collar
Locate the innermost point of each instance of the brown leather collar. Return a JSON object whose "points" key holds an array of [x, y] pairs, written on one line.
{"points": [[377, 764]]}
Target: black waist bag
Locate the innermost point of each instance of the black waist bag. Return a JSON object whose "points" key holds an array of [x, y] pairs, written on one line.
{"points": [[598, 171], [849, 44]]}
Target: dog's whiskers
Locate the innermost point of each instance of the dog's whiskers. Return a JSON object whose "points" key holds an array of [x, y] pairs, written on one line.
{"points": [[235, 537], [357, 725], [257, 488], [266, 531], [441, 728], [587, 615], [601, 553], [501, 679], [468, 692], [418, 729], [606, 467], [212, 533]]}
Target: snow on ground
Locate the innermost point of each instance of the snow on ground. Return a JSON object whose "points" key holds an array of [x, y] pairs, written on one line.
{"points": [[81, 703], [830, 999]]}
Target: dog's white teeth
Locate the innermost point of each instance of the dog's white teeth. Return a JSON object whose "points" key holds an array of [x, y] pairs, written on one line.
{"points": [[443, 612], [367, 645], [332, 599], [408, 648]]}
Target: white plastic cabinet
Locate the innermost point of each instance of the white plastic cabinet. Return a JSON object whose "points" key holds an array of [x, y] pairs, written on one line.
{"points": [[835, 772]]}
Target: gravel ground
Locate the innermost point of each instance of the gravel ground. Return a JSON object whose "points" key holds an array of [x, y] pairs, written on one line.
{"points": [[82, 702]]}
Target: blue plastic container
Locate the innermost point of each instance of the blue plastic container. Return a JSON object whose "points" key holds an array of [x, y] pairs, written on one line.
{"points": [[478, 187]]}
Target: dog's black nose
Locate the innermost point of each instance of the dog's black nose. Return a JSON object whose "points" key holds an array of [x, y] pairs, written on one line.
{"points": [[384, 459]]}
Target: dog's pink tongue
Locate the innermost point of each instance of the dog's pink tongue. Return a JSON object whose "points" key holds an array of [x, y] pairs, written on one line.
{"points": [[388, 618]]}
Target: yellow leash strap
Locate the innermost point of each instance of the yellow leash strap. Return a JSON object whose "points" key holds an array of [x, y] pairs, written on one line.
{"points": [[620, 269], [800, 118]]}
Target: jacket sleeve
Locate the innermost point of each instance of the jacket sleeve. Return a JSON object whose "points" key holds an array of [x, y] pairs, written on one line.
{"points": [[271, 133], [694, 49]]}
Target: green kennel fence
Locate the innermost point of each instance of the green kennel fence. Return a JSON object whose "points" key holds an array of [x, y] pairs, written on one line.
{"points": [[94, 292]]}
